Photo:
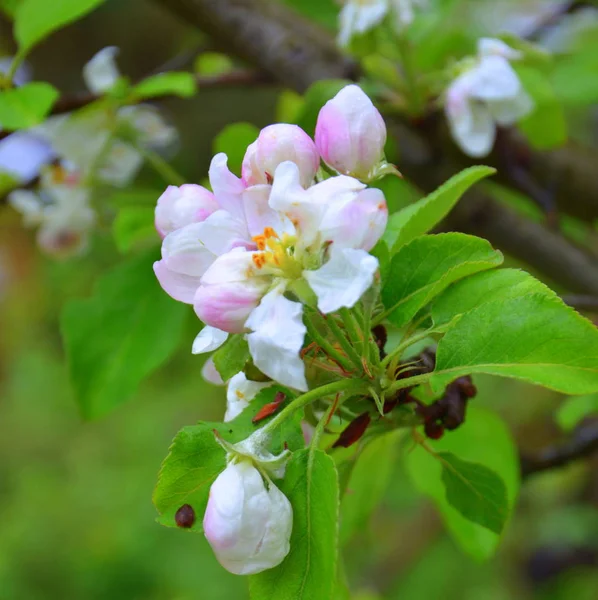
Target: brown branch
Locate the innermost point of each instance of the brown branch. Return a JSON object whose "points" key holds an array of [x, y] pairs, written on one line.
{"points": [[583, 444]]}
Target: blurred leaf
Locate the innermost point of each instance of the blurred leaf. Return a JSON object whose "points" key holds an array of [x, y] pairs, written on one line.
{"points": [[233, 141], [489, 286], [309, 570], [118, 336], [368, 482], [36, 19], [545, 127], [536, 338], [176, 83], [476, 491], [422, 216], [132, 225], [574, 410], [210, 64], [289, 106], [9, 6], [316, 96], [574, 81], [27, 105], [324, 12], [427, 265], [485, 440], [231, 357]]}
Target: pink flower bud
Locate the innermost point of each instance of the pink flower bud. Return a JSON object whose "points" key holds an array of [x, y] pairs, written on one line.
{"points": [[227, 305], [247, 523], [277, 144], [350, 133], [180, 206]]}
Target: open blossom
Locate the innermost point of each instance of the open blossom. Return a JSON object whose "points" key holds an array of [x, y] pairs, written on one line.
{"points": [[269, 240], [350, 133], [247, 522], [240, 392], [60, 210], [486, 95]]}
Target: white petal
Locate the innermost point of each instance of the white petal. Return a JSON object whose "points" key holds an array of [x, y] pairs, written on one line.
{"points": [[260, 214], [222, 232], [495, 47], [177, 286], [120, 165], [343, 279], [360, 16], [210, 373], [29, 204], [227, 188], [231, 267], [208, 339], [277, 338], [507, 112], [184, 252], [22, 155], [473, 128], [101, 73], [240, 392], [495, 79]]}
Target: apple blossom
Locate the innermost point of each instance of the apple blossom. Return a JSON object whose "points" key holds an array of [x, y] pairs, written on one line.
{"points": [[276, 144], [350, 134], [248, 521], [487, 94], [240, 392], [101, 73], [179, 206]]}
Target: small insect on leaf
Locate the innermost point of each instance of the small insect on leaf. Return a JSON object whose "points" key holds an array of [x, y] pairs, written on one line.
{"points": [[353, 431], [185, 516], [270, 408]]}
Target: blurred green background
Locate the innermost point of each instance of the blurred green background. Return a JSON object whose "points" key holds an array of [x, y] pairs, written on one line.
{"points": [[76, 518]]}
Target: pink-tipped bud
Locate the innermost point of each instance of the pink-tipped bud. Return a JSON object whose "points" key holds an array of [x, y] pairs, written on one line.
{"points": [[247, 523], [350, 134], [180, 206], [277, 144]]}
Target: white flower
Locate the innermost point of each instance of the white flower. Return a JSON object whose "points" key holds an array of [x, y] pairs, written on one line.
{"points": [[487, 94], [247, 522], [240, 392], [101, 73], [22, 155]]}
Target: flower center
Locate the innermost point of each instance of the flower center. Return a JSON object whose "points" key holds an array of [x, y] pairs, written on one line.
{"points": [[277, 254]]}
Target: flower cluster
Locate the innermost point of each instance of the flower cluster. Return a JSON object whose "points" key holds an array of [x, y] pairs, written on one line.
{"points": [[238, 252], [486, 94], [250, 255]]}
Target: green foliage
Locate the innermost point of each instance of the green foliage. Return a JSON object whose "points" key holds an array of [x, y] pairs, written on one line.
{"points": [[574, 410], [309, 570], [571, 81], [36, 19], [545, 127], [476, 491], [26, 106], [422, 216], [176, 83], [323, 11], [210, 64], [423, 268], [231, 357], [485, 440], [233, 141], [368, 482], [133, 225], [118, 336], [488, 286], [535, 337]]}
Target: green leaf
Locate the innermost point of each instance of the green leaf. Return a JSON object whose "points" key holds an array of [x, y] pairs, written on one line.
{"points": [[572, 81], [195, 458], [422, 216], [309, 570], [233, 141], [211, 64], [476, 491], [36, 19], [535, 337], [118, 336], [316, 96], [164, 84], [231, 357], [485, 440], [26, 106], [545, 127], [574, 410], [134, 225], [367, 484], [488, 286], [423, 268]]}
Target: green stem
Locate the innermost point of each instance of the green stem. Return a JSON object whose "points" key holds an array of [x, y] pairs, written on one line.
{"points": [[409, 382], [328, 348], [344, 385], [319, 430], [163, 168], [344, 342], [404, 345], [351, 325]]}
